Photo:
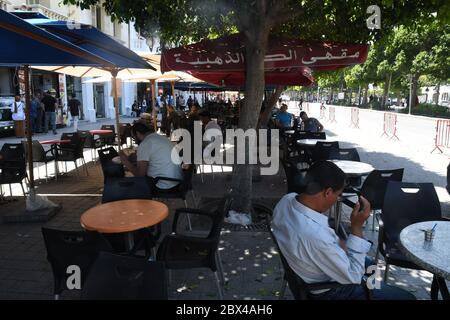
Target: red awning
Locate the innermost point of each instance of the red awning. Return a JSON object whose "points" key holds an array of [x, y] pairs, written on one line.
{"points": [[288, 61]]}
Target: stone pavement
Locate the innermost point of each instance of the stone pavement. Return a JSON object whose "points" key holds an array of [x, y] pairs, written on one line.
{"points": [[252, 266]]}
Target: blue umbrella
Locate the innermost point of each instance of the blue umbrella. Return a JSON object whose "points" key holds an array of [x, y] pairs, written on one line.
{"points": [[25, 44], [94, 41]]}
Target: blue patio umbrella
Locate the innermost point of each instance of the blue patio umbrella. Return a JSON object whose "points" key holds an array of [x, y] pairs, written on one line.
{"points": [[25, 44], [96, 42]]}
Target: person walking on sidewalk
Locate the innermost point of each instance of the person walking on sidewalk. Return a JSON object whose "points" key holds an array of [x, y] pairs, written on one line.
{"points": [[74, 108], [50, 108]]}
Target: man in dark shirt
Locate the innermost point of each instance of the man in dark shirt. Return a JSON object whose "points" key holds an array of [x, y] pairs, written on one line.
{"points": [[74, 108], [310, 124], [50, 107]]}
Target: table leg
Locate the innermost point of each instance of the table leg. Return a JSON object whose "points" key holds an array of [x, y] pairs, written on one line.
{"points": [[129, 241], [437, 285]]}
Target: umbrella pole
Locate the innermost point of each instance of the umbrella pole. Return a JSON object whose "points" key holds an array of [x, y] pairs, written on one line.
{"points": [[172, 84], [28, 125], [116, 106], [152, 83]]}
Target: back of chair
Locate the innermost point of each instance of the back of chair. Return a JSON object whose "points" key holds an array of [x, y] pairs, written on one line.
{"points": [[350, 154], [121, 277], [374, 187], [294, 176], [116, 189], [406, 204], [296, 284], [37, 149], [89, 141], [106, 155], [13, 152], [188, 173], [108, 138], [315, 135], [322, 150], [67, 248]]}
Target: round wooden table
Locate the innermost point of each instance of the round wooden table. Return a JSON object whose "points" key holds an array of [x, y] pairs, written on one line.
{"points": [[124, 216], [433, 256]]}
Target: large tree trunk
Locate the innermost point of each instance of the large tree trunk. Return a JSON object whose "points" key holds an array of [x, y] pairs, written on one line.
{"points": [[414, 88], [256, 41], [359, 95], [385, 93], [270, 104]]}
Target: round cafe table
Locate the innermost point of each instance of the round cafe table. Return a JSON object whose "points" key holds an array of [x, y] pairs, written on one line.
{"points": [[311, 142], [125, 216], [352, 169], [433, 256]]}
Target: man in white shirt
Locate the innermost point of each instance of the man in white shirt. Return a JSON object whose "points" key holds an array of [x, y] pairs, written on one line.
{"points": [[18, 116], [313, 250], [154, 158]]}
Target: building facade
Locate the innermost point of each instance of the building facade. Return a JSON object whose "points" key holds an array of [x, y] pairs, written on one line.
{"points": [[96, 97]]}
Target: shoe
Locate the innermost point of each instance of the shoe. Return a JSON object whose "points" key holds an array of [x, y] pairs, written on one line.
{"points": [[54, 132]]}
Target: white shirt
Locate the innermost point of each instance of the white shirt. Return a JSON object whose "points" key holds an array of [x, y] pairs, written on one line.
{"points": [[157, 150], [312, 248], [20, 115]]}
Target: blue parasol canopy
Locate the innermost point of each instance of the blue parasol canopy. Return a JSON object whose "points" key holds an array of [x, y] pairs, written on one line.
{"points": [[91, 39], [25, 44]]}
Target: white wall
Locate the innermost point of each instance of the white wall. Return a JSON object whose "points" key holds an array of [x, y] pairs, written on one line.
{"points": [[88, 101]]}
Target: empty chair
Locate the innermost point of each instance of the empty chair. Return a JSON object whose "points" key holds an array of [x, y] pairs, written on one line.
{"points": [[350, 154], [39, 154], [295, 177], [315, 135], [108, 139], [13, 165], [109, 168], [374, 189], [71, 151], [186, 252], [124, 133], [71, 248], [299, 288], [126, 188], [322, 150], [115, 277], [404, 204], [90, 142]]}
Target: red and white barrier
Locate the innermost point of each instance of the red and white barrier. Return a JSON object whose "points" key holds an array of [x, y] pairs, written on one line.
{"points": [[442, 139], [390, 125], [322, 113], [354, 121], [332, 114]]}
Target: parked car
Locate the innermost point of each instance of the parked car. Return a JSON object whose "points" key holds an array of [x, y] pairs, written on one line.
{"points": [[6, 122], [445, 103]]}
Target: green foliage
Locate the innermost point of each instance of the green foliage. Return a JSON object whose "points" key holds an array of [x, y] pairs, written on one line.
{"points": [[430, 110]]}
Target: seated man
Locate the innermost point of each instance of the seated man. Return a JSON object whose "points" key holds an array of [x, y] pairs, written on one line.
{"points": [[154, 158], [283, 118], [312, 248], [310, 124]]}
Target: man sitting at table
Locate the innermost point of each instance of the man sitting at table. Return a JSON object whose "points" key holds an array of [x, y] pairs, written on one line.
{"points": [[154, 159], [283, 119], [312, 248], [310, 124]]}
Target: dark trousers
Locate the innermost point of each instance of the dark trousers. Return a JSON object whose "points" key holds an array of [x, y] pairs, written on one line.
{"points": [[155, 190], [358, 292]]}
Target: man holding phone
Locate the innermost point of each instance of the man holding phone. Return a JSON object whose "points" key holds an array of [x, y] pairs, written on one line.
{"points": [[313, 250]]}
